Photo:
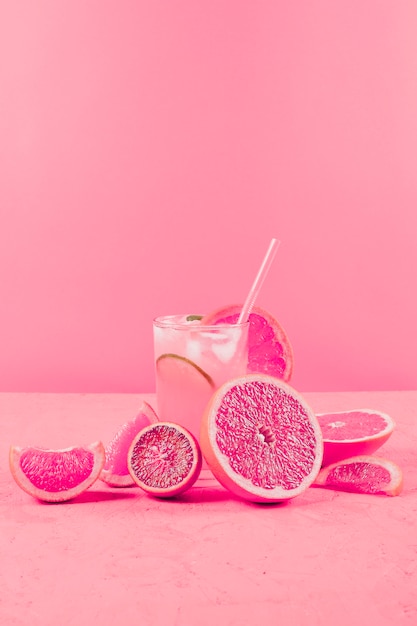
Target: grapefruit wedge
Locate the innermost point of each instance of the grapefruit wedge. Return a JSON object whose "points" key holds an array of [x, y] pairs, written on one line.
{"points": [[56, 475], [353, 433], [362, 474], [115, 471], [260, 439], [269, 350], [164, 459]]}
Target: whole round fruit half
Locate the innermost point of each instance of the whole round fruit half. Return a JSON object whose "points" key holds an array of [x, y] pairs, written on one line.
{"points": [[261, 439], [164, 459], [353, 433]]}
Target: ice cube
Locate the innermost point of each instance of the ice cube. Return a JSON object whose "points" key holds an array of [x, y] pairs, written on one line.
{"points": [[225, 346], [193, 349]]}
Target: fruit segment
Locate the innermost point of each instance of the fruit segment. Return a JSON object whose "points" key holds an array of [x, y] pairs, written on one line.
{"points": [[56, 475], [115, 472], [362, 474]]}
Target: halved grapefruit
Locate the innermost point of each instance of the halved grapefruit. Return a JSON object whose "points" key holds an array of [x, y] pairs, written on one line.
{"points": [[270, 351], [115, 471], [260, 439], [56, 475], [164, 459], [353, 433], [362, 474]]}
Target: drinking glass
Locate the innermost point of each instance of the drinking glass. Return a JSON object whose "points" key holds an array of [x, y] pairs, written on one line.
{"points": [[192, 360]]}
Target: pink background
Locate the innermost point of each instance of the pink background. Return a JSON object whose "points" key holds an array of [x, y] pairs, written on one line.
{"points": [[150, 150]]}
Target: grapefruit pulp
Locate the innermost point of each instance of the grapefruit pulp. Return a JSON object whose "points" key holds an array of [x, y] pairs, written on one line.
{"points": [[353, 433], [56, 475], [269, 349], [362, 474], [115, 471], [164, 459], [260, 439]]}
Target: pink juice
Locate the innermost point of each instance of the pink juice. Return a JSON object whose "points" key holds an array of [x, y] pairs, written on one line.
{"points": [[192, 360]]}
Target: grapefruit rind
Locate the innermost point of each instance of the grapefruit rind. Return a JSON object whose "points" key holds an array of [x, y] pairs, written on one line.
{"points": [[143, 455], [251, 430], [268, 340], [115, 472], [357, 474], [96, 450], [336, 448]]}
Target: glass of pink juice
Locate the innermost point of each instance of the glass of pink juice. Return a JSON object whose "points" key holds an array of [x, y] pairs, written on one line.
{"points": [[192, 360]]}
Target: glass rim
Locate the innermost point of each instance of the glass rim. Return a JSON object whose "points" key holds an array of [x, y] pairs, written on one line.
{"points": [[171, 321]]}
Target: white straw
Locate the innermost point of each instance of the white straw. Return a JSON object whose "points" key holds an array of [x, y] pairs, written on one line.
{"points": [[257, 284]]}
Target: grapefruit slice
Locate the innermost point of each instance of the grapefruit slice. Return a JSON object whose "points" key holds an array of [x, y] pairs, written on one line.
{"points": [[115, 471], [183, 389], [164, 459], [353, 433], [175, 366], [362, 474], [269, 350], [260, 439], [56, 475]]}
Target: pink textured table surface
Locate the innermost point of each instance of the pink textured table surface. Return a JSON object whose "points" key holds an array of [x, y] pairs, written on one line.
{"points": [[114, 557]]}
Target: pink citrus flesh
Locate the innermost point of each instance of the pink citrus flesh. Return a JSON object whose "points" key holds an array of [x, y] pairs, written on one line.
{"points": [[260, 439], [362, 474], [164, 459], [56, 475], [353, 433], [269, 350], [115, 471]]}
